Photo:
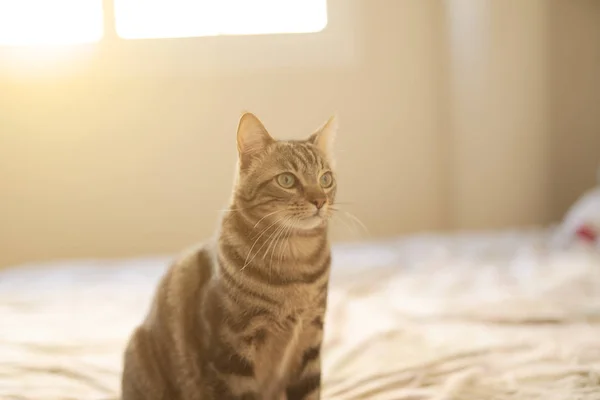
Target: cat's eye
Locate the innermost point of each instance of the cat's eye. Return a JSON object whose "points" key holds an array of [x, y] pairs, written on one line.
{"points": [[286, 180], [326, 180]]}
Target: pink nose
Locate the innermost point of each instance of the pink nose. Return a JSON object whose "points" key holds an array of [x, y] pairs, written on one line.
{"points": [[319, 203]]}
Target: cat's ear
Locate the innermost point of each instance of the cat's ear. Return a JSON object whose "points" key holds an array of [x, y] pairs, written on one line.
{"points": [[324, 137], [252, 138]]}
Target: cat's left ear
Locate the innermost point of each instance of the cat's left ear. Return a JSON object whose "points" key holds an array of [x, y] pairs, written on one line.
{"points": [[324, 137]]}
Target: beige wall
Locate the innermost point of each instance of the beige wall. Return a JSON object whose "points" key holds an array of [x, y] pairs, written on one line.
{"points": [[113, 164], [574, 100], [498, 84]]}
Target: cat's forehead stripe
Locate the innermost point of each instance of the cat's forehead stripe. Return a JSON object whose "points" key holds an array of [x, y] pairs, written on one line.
{"points": [[300, 156], [291, 164], [306, 154], [303, 157], [310, 156]]}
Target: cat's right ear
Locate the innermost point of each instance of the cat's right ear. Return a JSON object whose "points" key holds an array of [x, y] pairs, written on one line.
{"points": [[252, 138]]}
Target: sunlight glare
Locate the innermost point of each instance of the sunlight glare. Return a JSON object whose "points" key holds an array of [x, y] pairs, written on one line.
{"points": [[45, 22], [138, 19]]}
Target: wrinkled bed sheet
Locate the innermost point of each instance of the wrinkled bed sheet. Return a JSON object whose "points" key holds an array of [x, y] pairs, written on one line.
{"points": [[496, 315]]}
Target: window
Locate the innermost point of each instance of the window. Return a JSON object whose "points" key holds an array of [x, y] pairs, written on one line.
{"points": [[50, 22], [236, 36], [137, 19], [55, 22]]}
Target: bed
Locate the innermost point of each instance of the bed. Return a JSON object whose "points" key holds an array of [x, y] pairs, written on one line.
{"points": [[498, 315]]}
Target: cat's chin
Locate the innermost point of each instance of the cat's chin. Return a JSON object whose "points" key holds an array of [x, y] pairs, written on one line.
{"points": [[310, 223]]}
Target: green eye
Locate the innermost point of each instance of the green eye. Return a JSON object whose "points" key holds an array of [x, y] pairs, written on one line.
{"points": [[326, 180], [286, 180]]}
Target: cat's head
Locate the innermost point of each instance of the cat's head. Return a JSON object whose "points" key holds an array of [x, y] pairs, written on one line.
{"points": [[287, 182]]}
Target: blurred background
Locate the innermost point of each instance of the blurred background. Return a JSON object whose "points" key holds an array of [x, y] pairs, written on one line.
{"points": [[118, 118]]}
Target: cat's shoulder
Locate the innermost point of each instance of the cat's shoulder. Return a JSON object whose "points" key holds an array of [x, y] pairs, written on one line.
{"points": [[185, 280], [194, 265]]}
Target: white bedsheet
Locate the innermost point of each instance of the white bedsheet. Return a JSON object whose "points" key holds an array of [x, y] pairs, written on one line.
{"points": [[486, 316]]}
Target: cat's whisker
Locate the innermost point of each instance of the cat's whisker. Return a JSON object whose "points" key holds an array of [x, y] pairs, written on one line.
{"points": [[275, 235], [355, 218], [278, 239], [269, 214], [246, 262], [347, 224], [286, 241], [231, 211], [281, 238]]}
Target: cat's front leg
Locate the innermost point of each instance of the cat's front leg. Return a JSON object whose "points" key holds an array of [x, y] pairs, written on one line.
{"points": [[308, 387], [308, 384], [275, 392], [283, 396]]}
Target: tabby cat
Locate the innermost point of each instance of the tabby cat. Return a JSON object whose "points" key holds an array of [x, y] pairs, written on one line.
{"points": [[241, 317]]}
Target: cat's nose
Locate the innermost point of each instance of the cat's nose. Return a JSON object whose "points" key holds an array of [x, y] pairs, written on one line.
{"points": [[319, 203]]}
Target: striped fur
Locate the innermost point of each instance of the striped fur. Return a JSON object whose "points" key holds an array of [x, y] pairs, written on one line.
{"points": [[241, 317]]}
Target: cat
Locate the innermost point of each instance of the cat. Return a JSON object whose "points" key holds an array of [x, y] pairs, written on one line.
{"points": [[241, 317]]}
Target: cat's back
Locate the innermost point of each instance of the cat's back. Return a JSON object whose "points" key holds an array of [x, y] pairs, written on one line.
{"points": [[161, 359]]}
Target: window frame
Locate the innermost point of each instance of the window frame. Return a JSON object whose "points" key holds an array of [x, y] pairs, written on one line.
{"points": [[333, 47]]}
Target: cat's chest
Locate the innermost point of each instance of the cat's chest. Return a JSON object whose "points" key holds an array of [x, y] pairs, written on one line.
{"points": [[300, 302], [284, 346], [304, 282]]}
